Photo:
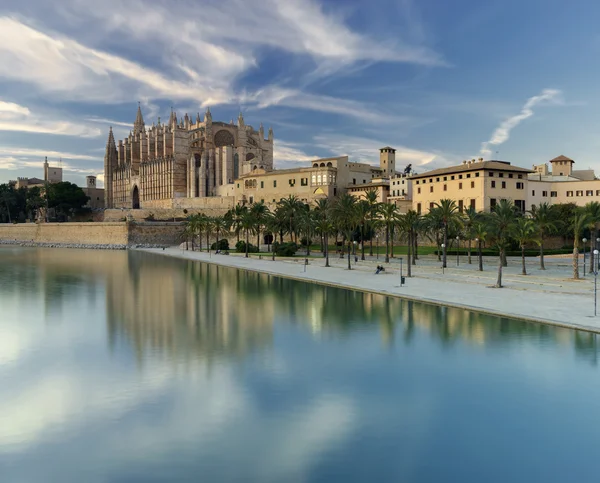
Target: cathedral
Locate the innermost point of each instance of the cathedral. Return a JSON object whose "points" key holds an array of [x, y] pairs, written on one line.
{"points": [[181, 159]]}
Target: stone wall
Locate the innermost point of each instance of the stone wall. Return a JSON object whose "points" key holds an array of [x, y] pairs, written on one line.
{"points": [[117, 234]]}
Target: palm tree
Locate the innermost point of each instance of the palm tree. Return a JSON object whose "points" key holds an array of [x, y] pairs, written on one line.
{"points": [[433, 227], [544, 218], [206, 223], [409, 224], [389, 217], [524, 232], [344, 214], [371, 196], [260, 213], [480, 233], [363, 214], [248, 225], [219, 224], [291, 206], [578, 223], [235, 217], [501, 221], [469, 218], [449, 215], [306, 224], [593, 209]]}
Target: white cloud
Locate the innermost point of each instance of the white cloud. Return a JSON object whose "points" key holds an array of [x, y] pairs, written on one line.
{"points": [[502, 132], [17, 118], [287, 154]]}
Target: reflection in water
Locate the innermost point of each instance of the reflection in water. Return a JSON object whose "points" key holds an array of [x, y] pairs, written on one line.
{"points": [[128, 366]]}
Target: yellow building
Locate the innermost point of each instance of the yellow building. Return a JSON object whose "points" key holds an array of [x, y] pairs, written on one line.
{"points": [[476, 184]]}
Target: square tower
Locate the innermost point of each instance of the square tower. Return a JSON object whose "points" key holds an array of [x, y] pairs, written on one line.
{"points": [[387, 161]]}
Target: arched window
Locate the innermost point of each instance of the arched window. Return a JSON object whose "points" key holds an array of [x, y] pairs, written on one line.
{"points": [[329, 165], [236, 166], [315, 165], [322, 165]]}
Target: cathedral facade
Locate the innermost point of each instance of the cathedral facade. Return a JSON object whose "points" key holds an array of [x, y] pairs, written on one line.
{"points": [[181, 159]]}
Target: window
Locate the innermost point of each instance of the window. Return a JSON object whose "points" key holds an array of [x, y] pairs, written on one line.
{"points": [[273, 200], [532, 192], [469, 175], [292, 181], [493, 184], [460, 205], [262, 184], [554, 194], [500, 175], [491, 175], [492, 203], [437, 179], [251, 199], [451, 177], [419, 207], [431, 189], [445, 187], [431, 206], [238, 185], [520, 176], [417, 181], [459, 186], [597, 192], [510, 175], [275, 184], [303, 181], [477, 175], [472, 184], [431, 180], [460, 176], [364, 181], [473, 204], [353, 180], [262, 200], [520, 204], [589, 193], [503, 184], [569, 194], [419, 190], [579, 193], [445, 178], [520, 185], [544, 193]]}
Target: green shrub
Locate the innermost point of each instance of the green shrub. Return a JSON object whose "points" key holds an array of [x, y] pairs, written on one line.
{"points": [[222, 245], [304, 241], [240, 247], [288, 249]]}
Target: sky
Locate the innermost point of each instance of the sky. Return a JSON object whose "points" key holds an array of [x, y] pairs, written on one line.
{"points": [[440, 81]]}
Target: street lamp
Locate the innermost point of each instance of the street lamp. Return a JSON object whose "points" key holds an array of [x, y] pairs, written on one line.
{"points": [[595, 283], [354, 243], [443, 246], [401, 277], [457, 250], [584, 242], [377, 237]]}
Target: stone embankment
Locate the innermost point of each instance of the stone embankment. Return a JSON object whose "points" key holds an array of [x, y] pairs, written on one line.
{"points": [[87, 246]]}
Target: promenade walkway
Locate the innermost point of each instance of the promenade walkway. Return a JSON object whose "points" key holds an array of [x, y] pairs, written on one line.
{"points": [[549, 296]]}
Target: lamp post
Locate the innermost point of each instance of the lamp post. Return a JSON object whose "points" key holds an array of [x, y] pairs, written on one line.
{"points": [[457, 250], [443, 246], [595, 283], [401, 277], [584, 242], [597, 248], [377, 237], [354, 243]]}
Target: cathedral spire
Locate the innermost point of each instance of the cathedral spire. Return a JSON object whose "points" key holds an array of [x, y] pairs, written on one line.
{"points": [[111, 139], [139, 125], [172, 118], [261, 131], [240, 119], [198, 118], [270, 133], [207, 115]]}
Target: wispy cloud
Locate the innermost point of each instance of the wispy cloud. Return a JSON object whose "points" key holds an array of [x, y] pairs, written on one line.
{"points": [[502, 132], [288, 155], [17, 118]]}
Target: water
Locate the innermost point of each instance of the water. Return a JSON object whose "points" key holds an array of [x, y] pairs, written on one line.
{"points": [[132, 367]]}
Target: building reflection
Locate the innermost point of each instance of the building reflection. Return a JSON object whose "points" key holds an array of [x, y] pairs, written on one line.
{"points": [[189, 310]]}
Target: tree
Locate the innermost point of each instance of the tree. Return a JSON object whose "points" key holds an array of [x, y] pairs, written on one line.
{"points": [[324, 226], [469, 218], [544, 219], [409, 224], [371, 196], [449, 215], [363, 216], [524, 232], [501, 221], [480, 233], [291, 206], [66, 198], [578, 224], [249, 226], [35, 201], [219, 224], [433, 226], [593, 209], [260, 212], [389, 218], [345, 216]]}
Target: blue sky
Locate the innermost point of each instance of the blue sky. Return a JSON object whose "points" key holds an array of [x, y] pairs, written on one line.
{"points": [[440, 81]]}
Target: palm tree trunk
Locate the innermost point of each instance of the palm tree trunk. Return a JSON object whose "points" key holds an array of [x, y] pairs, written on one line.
{"points": [[499, 280], [413, 245], [258, 239], [247, 241], [208, 240], [523, 271], [504, 260], [480, 257], [469, 252], [542, 266], [349, 250], [371, 240], [387, 244], [437, 244], [392, 241], [326, 251], [362, 242], [445, 246], [410, 244], [576, 262]]}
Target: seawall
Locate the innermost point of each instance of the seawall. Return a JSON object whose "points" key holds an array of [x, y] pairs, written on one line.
{"points": [[91, 235]]}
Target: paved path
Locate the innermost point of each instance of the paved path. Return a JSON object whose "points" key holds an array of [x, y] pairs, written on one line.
{"points": [[548, 296]]}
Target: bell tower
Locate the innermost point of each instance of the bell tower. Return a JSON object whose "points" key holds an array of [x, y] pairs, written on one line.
{"points": [[387, 161]]}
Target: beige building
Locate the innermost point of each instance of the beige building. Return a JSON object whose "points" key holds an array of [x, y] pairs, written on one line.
{"points": [[476, 184], [182, 160], [95, 194], [52, 174], [562, 184]]}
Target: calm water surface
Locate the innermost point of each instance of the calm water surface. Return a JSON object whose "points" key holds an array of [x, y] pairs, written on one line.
{"points": [[132, 367]]}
